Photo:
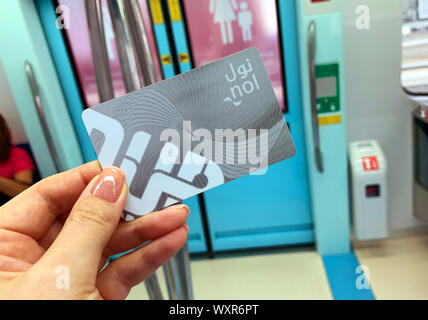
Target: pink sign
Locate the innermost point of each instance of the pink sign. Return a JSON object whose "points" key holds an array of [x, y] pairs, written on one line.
{"points": [[218, 28], [78, 38]]}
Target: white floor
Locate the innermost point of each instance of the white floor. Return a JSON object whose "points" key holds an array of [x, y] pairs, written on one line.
{"points": [[264, 276], [398, 270], [398, 267]]}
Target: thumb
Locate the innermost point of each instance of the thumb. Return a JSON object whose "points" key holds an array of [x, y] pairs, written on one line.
{"points": [[91, 222]]}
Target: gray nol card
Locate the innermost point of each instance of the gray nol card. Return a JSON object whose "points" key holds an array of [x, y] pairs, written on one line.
{"points": [[188, 134]]}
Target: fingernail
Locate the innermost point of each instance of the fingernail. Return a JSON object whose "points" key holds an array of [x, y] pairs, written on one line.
{"points": [[109, 184], [184, 207], [186, 227]]}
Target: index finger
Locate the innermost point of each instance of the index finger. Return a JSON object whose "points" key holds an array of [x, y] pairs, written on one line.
{"points": [[34, 210]]}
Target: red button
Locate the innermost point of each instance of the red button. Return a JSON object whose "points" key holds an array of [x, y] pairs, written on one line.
{"points": [[370, 164]]}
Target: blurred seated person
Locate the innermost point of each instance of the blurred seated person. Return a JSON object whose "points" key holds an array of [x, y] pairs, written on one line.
{"points": [[16, 166]]}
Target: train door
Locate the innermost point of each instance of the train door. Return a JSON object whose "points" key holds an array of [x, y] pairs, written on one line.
{"points": [[272, 209]]}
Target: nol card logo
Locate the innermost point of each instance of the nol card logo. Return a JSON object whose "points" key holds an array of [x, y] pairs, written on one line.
{"points": [[244, 82]]}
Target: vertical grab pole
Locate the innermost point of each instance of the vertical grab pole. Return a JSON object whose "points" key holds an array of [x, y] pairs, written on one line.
{"points": [[170, 270], [178, 276], [128, 62], [183, 261], [313, 90], [153, 289], [35, 91], [99, 49], [125, 45], [141, 43], [177, 270]]}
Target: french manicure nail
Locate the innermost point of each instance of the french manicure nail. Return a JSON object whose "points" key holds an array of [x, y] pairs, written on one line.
{"points": [[109, 184]]}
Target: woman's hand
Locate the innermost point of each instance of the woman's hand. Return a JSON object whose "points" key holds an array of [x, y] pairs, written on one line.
{"points": [[56, 236]]}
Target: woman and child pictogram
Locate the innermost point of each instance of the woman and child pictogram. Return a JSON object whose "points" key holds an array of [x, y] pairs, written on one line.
{"points": [[225, 13]]}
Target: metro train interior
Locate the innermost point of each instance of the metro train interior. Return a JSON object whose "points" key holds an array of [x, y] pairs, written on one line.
{"points": [[345, 218]]}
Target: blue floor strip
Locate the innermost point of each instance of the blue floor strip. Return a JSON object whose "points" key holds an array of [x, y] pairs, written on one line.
{"points": [[346, 279]]}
